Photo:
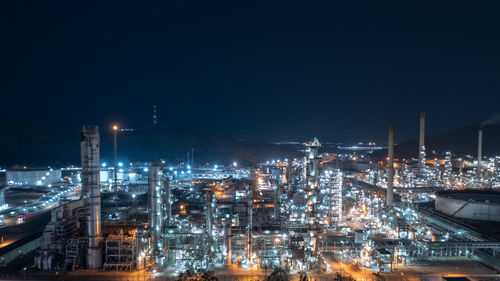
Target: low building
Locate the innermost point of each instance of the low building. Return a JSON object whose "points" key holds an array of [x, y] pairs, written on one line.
{"points": [[32, 176]]}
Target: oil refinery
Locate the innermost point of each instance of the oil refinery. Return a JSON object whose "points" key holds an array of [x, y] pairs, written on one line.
{"points": [[366, 218]]}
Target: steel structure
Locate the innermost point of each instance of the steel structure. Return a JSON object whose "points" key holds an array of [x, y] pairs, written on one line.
{"points": [[156, 214], [90, 183]]}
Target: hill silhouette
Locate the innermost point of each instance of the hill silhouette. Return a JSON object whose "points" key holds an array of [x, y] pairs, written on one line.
{"points": [[460, 142], [36, 144]]}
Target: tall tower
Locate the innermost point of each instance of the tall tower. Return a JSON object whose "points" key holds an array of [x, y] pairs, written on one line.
{"points": [[312, 183], [421, 145], [313, 162], [155, 210], [390, 167], [479, 152], [155, 115], [89, 144]]}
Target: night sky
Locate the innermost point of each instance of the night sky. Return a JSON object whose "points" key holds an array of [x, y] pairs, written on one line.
{"points": [[253, 70]]}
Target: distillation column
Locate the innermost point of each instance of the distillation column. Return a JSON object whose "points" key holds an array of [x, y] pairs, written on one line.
{"points": [[89, 145], [155, 215], [390, 167], [313, 162], [312, 181], [421, 145]]}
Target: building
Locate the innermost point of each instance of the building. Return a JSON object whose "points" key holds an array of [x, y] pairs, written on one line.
{"points": [[33, 176]]}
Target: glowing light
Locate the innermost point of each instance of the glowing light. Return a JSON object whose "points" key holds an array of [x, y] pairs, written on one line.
{"points": [[120, 164], [104, 164]]}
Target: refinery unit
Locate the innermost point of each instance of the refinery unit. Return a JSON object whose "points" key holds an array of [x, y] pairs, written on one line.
{"points": [[271, 216], [303, 214]]}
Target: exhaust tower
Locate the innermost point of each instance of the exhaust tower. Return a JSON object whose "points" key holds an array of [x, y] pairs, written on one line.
{"points": [[90, 190], [390, 166]]}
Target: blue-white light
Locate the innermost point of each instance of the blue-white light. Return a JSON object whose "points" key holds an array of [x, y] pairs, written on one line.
{"points": [[146, 170], [104, 164], [120, 164], [188, 166]]}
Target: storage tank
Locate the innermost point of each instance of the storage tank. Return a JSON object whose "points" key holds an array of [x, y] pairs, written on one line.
{"points": [[469, 204]]}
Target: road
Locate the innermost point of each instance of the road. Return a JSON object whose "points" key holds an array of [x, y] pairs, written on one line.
{"points": [[430, 271]]}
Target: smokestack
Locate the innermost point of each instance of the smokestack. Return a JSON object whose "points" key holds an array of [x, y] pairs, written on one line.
{"points": [[155, 215], [479, 152], [421, 143], [89, 145], [390, 166]]}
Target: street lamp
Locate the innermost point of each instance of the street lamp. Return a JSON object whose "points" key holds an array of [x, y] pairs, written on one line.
{"points": [[115, 132]]}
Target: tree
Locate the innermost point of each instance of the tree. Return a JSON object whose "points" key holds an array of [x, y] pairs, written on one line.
{"points": [[199, 276], [303, 276], [379, 276], [340, 277], [279, 274]]}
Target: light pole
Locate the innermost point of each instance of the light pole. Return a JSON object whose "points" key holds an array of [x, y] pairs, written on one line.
{"points": [[133, 206], [115, 132]]}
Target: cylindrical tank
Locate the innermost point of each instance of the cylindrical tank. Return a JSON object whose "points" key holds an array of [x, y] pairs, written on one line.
{"points": [[470, 204]]}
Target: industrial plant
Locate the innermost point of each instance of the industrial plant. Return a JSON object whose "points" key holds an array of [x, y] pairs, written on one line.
{"points": [[342, 212]]}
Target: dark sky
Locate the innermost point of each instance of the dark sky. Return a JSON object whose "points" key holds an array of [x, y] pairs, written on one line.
{"points": [[249, 69]]}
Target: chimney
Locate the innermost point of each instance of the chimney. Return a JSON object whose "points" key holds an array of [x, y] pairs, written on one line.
{"points": [[421, 143], [89, 145], [390, 166], [479, 152]]}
